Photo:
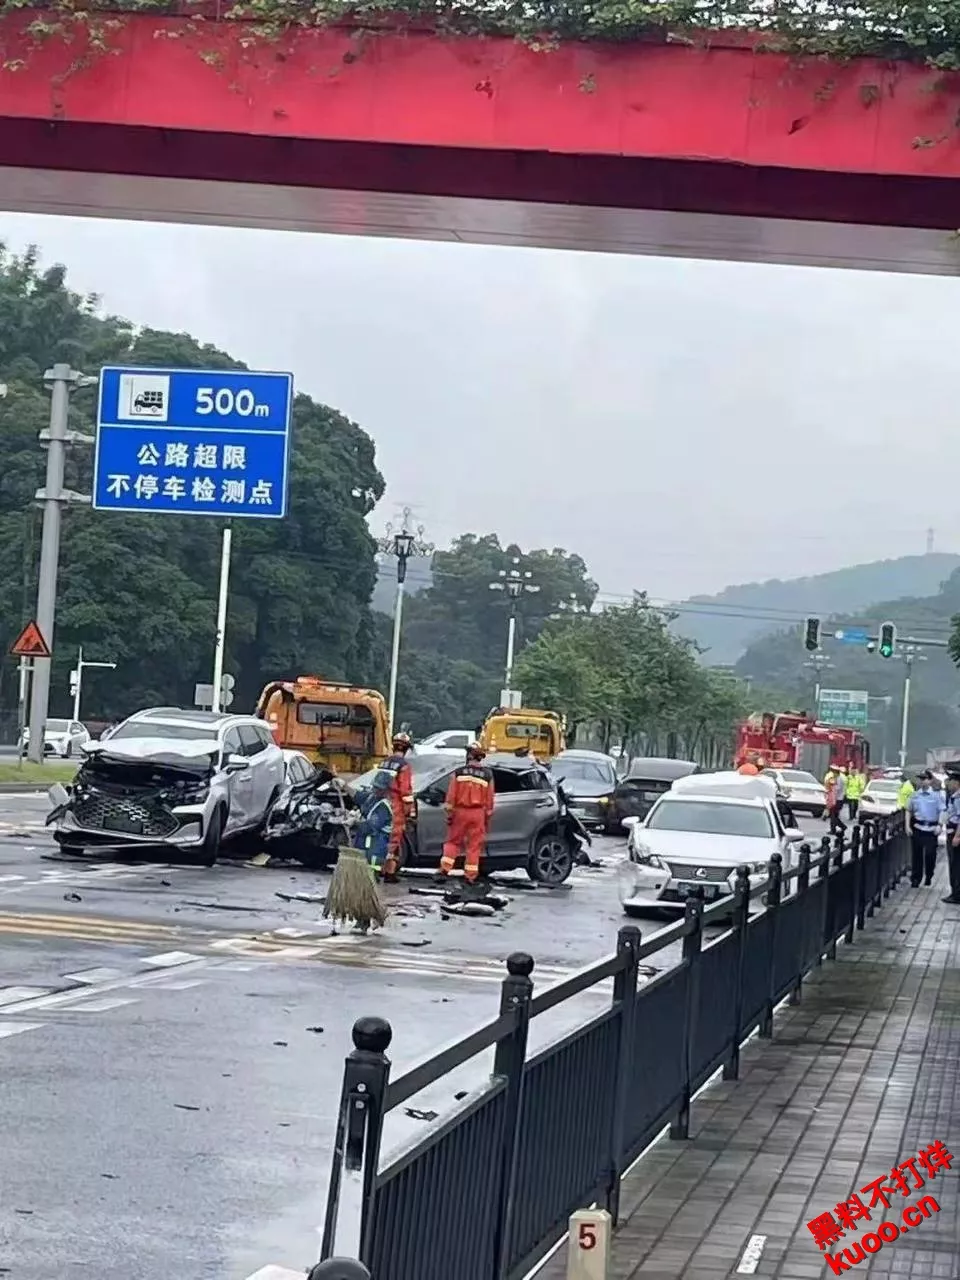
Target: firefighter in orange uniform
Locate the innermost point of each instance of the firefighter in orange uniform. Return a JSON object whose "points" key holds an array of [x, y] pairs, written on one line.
{"points": [[398, 784], [469, 805]]}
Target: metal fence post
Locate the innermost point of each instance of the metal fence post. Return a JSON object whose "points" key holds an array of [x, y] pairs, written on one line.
{"points": [[693, 916], [823, 873], [624, 996], [836, 862], [508, 1062], [359, 1127], [774, 889], [856, 914], [871, 850], [339, 1269], [803, 884], [741, 917]]}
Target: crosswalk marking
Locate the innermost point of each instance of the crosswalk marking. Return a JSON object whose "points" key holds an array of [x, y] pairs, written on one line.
{"points": [[88, 977], [12, 995], [8, 1029], [169, 959], [103, 1004]]}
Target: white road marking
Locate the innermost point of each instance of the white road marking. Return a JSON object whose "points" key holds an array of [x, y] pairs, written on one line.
{"points": [[8, 1029], [8, 879], [178, 986], [73, 997], [87, 977], [169, 959], [102, 1005], [13, 995], [751, 1256]]}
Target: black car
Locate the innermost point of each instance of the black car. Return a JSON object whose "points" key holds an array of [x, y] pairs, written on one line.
{"points": [[530, 828], [645, 781], [589, 781]]}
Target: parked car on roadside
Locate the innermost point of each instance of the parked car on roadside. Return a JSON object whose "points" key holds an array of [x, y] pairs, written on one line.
{"points": [[170, 778], [589, 780], [63, 738], [805, 793], [694, 840], [645, 781], [529, 829]]}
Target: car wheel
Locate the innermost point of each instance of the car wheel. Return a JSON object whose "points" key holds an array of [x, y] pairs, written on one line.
{"points": [[817, 813], [210, 850], [551, 859], [635, 913]]}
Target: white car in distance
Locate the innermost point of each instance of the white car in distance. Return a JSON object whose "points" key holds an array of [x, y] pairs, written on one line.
{"points": [[803, 792], [696, 836], [63, 738], [881, 798], [452, 742]]}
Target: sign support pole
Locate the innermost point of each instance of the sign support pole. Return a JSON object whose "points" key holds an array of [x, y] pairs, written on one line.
{"points": [[222, 617], [24, 674], [60, 377]]}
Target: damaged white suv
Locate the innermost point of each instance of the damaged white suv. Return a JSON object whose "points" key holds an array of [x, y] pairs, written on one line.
{"points": [[170, 778]]}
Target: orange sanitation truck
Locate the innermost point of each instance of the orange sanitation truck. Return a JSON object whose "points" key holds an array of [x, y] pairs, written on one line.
{"points": [[340, 726]]}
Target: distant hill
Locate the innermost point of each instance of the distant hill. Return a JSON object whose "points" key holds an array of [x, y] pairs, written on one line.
{"points": [[738, 616], [779, 661]]}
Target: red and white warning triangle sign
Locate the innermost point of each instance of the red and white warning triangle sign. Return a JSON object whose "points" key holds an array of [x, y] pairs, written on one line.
{"points": [[30, 643]]}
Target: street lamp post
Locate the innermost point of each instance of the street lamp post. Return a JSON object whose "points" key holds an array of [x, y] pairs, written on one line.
{"points": [[910, 656], [515, 582], [403, 544]]}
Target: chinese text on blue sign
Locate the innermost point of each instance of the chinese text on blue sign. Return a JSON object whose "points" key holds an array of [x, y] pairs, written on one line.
{"points": [[193, 441]]}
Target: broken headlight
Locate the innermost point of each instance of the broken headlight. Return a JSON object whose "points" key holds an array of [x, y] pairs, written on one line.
{"points": [[193, 792]]}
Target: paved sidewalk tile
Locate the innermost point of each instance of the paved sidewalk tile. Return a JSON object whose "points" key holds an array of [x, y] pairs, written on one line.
{"points": [[859, 1078]]}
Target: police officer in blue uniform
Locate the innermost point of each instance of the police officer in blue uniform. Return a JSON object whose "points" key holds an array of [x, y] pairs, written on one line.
{"points": [[924, 814], [953, 837]]}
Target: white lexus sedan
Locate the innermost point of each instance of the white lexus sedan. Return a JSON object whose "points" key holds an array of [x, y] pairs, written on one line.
{"points": [[690, 841]]}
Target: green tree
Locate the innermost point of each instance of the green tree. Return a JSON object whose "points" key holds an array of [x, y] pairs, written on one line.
{"points": [[141, 591]]}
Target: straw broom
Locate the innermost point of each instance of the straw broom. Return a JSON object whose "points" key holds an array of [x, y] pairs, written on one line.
{"points": [[353, 891]]}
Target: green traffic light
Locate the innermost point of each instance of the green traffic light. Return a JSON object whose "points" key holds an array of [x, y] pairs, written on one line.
{"points": [[885, 651]]}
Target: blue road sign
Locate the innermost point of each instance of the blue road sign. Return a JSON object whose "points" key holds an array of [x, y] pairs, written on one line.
{"points": [[852, 635], [196, 442]]}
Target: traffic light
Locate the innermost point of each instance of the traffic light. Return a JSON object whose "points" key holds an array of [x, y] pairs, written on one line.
{"points": [[811, 635], [888, 640]]}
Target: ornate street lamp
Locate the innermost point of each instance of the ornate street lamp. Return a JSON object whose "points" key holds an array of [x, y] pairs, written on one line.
{"points": [[403, 544]]}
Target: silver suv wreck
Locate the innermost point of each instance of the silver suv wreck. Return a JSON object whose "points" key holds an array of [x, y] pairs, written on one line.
{"points": [[171, 778]]}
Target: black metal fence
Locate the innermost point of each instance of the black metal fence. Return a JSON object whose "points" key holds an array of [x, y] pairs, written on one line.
{"points": [[487, 1192]]}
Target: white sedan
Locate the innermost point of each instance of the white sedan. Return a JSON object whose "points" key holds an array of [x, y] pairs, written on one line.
{"points": [[880, 798], [802, 791], [63, 738], [693, 841]]}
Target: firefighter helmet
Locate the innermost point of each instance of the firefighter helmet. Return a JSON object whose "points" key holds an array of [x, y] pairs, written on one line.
{"points": [[475, 751], [402, 741]]}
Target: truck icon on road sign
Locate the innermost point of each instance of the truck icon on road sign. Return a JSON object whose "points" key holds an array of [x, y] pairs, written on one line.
{"points": [[144, 395]]}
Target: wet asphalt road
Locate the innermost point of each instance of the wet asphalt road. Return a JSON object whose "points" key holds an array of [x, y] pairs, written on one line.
{"points": [[172, 1039]]}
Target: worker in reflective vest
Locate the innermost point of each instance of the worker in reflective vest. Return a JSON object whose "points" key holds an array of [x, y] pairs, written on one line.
{"points": [[469, 805], [396, 777]]}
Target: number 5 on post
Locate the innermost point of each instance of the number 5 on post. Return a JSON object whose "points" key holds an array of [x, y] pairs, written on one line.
{"points": [[588, 1256]]}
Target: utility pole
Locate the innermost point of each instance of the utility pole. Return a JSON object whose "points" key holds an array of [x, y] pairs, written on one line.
{"points": [[62, 380], [403, 544], [930, 534], [819, 662], [516, 582], [910, 656]]}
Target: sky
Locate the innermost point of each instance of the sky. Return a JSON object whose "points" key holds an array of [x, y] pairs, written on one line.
{"points": [[682, 425]]}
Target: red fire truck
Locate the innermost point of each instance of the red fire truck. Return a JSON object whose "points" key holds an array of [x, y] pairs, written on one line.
{"points": [[794, 740]]}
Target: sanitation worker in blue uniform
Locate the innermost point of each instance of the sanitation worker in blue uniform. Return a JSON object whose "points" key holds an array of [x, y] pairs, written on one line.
{"points": [[373, 832]]}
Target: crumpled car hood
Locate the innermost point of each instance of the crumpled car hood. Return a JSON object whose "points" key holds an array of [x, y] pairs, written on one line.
{"points": [[165, 750]]}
